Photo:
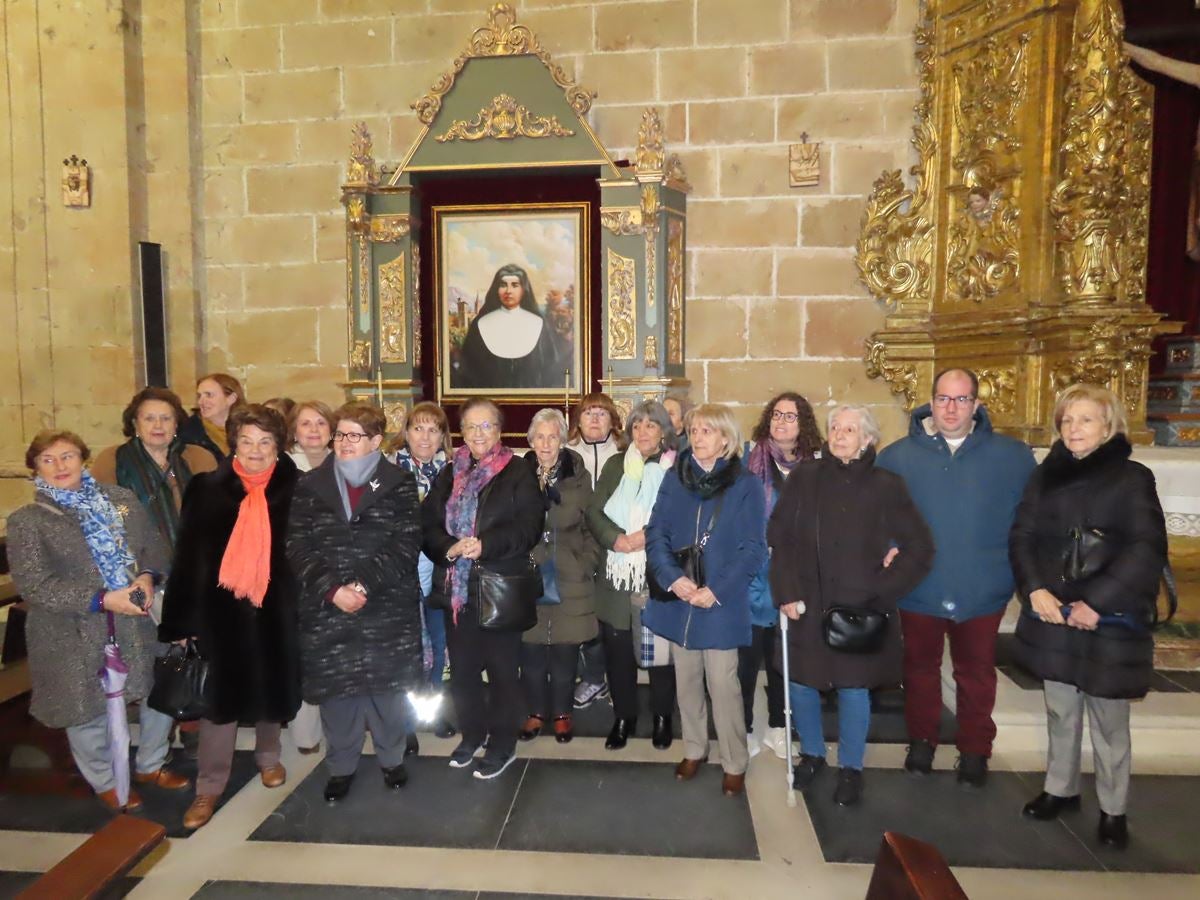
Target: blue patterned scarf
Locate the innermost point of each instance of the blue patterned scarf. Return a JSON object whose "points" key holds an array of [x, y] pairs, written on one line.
{"points": [[470, 478], [103, 528], [425, 473]]}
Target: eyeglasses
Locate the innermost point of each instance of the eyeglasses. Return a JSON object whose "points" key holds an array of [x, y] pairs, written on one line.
{"points": [[778, 416], [594, 413], [483, 427], [946, 400], [352, 436]]}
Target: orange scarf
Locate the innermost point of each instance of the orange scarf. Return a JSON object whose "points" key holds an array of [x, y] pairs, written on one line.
{"points": [[246, 565]]}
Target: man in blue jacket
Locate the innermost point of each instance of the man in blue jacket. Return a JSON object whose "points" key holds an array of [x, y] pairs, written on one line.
{"points": [[967, 481]]}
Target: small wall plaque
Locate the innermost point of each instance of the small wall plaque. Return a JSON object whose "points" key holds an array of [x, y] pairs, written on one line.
{"points": [[76, 182], [804, 163]]}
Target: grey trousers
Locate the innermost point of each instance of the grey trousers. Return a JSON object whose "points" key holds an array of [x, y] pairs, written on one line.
{"points": [[1108, 721], [346, 721], [89, 746], [719, 668], [217, 743]]}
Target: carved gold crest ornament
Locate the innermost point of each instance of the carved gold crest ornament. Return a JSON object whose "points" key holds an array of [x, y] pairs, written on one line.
{"points": [[504, 120]]}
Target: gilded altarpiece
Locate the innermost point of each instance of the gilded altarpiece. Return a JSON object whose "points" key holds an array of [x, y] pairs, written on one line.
{"points": [[1020, 247], [505, 110]]}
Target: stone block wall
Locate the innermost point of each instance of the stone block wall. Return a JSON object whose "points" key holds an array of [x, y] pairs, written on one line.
{"points": [[773, 298]]}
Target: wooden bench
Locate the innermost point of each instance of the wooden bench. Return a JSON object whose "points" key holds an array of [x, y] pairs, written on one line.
{"points": [[103, 858], [909, 869]]}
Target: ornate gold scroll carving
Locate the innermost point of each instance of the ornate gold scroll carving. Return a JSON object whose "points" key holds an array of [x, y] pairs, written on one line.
{"points": [[389, 229], [622, 302], [1114, 354], [650, 356], [622, 220], [396, 414], [650, 230], [895, 249], [978, 20], [651, 154], [504, 120], [364, 282], [998, 389], [360, 355], [362, 169], [502, 36], [674, 291], [356, 213], [901, 378], [676, 178], [392, 307], [416, 305]]}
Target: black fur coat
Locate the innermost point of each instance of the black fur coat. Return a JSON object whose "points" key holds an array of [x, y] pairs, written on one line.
{"points": [[253, 651]]}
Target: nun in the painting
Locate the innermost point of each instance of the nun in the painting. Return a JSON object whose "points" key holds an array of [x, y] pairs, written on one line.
{"points": [[509, 344]]}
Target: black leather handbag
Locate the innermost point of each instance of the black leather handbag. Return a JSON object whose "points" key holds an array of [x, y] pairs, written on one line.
{"points": [[506, 594], [690, 559], [180, 683], [854, 629], [1088, 552]]}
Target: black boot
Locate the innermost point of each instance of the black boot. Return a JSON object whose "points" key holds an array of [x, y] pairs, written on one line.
{"points": [[1113, 831], [337, 787], [1047, 806], [621, 730], [396, 777], [662, 737]]}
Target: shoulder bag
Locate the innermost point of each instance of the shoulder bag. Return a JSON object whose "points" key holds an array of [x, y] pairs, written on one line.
{"points": [[180, 683], [690, 559], [850, 629], [506, 593]]}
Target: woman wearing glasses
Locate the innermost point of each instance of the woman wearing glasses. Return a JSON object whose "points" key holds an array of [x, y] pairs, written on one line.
{"points": [[232, 589], [786, 433], [353, 539], [486, 508]]}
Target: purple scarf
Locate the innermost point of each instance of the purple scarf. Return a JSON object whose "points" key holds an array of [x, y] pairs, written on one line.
{"points": [[763, 458], [469, 481]]}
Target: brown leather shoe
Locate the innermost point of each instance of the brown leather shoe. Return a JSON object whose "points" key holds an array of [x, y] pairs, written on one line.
{"points": [[163, 778], [200, 811], [109, 799], [273, 776], [687, 769], [732, 785]]}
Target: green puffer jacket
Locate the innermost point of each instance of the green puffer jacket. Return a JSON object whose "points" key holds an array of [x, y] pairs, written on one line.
{"points": [[576, 555]]}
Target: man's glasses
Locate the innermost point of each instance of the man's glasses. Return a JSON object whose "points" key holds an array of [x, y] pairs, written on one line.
{"points": [[946, 400], [352, 436], [789, 417]]}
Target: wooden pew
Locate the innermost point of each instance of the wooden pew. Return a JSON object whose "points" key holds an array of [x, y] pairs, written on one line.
{"points": [[103, 858], [909, 869]]}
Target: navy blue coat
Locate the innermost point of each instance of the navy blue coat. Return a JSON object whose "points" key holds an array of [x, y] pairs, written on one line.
{"points": [[735, 551], [969, 499]]}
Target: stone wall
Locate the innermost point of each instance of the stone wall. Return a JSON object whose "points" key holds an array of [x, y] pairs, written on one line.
{"points": [[773, 297]]}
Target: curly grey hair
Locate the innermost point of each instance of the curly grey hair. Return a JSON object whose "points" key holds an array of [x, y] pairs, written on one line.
{"points": [[656, 413]]}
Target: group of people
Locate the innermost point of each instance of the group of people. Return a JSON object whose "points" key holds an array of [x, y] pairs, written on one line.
{"points": [[324, 576]]}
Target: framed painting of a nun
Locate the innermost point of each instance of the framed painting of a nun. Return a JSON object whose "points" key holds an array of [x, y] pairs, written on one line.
{"points": [[511, 285]]}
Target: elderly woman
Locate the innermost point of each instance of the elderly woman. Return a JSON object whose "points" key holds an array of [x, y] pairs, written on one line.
{"points": [[85, 558], [620, 508], [217, 395], [845, 535], [596, 436], [1085, 628], [567, 555], [353, 539], [485, 509], [708, 502], [786, 434], [233, 590]]}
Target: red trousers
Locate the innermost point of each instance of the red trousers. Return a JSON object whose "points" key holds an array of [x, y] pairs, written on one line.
{"points": [[973, 654]]}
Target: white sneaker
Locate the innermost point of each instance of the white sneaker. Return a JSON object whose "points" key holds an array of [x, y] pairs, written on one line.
{"points": [[776, 740]]}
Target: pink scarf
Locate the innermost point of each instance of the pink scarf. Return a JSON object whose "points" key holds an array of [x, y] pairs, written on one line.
{"points": [[461, 508]]}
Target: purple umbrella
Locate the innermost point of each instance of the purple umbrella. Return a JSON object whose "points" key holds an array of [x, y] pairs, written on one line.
{"points": [[113, 674]]}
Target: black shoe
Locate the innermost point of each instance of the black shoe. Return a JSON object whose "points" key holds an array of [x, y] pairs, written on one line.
{"points": [[1113, 831], [412, 746], [532, 727], [972, 770], [493, 764], [396, 777], [849, 787], [464, 754], [806, 770], [1047, 806], [443, 729], [662, 737], [337, 787], [621, 730], [920, 758]]}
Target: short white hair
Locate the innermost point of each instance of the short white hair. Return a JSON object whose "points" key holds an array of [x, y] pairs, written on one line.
{"points": [[541, 417], [866, 420]]}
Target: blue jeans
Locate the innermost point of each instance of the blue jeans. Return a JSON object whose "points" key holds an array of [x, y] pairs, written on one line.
{"points": [[435, 624], [854, 715]]}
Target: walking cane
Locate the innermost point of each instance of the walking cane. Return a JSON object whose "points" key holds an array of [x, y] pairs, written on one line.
{"points": [[787, 708]]}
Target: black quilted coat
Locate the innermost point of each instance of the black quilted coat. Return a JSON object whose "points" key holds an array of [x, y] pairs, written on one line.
{"points": [[377, 649], [1107, 491], [254, 673]]}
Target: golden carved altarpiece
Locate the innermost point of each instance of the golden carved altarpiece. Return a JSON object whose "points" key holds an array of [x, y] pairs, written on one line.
{"points": [[1020, 249]]}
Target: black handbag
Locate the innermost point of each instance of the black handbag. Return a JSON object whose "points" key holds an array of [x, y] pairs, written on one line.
{"points": [[180, 683], [506, 594], [854, 629], [1088, 552], [690, 559]]}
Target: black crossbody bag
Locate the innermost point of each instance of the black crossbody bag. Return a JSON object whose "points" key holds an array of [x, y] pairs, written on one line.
{"points": [[851, 629], [690, 558]]}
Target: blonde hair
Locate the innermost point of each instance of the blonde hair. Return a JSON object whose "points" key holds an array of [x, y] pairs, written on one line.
{"points": [[721, 418], [1109, 403]]}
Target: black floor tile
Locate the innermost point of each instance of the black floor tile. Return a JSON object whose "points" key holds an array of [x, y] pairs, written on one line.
{"points": [[970, 828], [12, 883], [631, 809], [264, 890], [1190, 681], [439, 807], [85, 815], [887, 719]]}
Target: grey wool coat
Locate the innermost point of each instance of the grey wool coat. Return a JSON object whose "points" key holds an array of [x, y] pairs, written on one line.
{"points": [[576, 554], [376, 650], [57, 577]]}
